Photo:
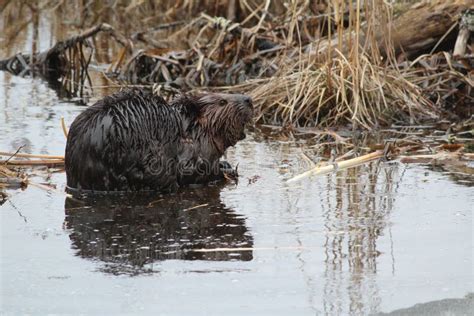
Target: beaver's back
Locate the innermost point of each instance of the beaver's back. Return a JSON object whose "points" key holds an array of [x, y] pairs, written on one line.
{"points": [[125, 142]]}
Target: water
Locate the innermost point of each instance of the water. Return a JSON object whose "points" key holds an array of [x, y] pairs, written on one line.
{"points": [[372, 239]]}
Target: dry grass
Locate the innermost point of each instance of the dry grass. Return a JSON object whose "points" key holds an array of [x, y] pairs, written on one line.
{"points": [[308, 93], [330, 62], [340, 78]]}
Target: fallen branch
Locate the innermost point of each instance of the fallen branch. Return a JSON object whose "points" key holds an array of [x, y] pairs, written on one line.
{"points": [[65, 56], [339, 166], [14, 154], [3, 153], [44, 162]]}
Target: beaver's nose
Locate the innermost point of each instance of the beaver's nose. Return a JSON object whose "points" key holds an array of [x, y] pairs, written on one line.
{"points": [[248, 101]]}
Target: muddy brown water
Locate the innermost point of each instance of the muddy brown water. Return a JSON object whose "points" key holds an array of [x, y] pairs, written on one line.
{"points": [[378, 238]]}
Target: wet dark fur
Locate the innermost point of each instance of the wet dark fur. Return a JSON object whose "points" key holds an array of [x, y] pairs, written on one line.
{"points": [[134, 140]]}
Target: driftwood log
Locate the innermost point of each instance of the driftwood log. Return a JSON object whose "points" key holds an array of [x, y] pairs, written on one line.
{"points": [[419, 30]]}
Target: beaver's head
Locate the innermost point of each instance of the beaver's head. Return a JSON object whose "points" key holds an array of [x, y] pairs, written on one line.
{"points": [[222, 117]]}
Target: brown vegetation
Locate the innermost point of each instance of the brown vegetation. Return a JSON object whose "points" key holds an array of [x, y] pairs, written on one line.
{"points": [[305, 63]]}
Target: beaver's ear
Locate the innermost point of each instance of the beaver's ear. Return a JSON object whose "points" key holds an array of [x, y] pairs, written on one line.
{"points": [[188, 105]]}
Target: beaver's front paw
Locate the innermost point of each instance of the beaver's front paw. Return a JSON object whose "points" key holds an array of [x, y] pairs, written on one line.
{"points": [[227, 171]]}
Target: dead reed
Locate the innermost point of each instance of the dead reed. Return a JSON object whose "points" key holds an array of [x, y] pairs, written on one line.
{"points": [[305, 63]]}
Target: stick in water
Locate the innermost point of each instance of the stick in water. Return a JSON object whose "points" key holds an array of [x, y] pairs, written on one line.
{"points": [[338, 165], [63, 125], [4, 153]]}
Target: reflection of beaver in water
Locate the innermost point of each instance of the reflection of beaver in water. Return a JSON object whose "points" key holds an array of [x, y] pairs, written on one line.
{"points": [[130, 233], [135, 141]]}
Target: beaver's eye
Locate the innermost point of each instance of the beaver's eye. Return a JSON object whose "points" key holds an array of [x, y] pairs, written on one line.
{"points": [[222, 102]]}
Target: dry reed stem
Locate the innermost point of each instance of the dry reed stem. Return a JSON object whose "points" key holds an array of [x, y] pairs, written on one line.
{"points": [[64, 128], [20, 155], [338, 166], [43, 162]]}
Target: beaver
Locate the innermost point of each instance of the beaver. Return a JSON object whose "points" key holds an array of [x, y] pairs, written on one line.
{"points": [[134, 140]]}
